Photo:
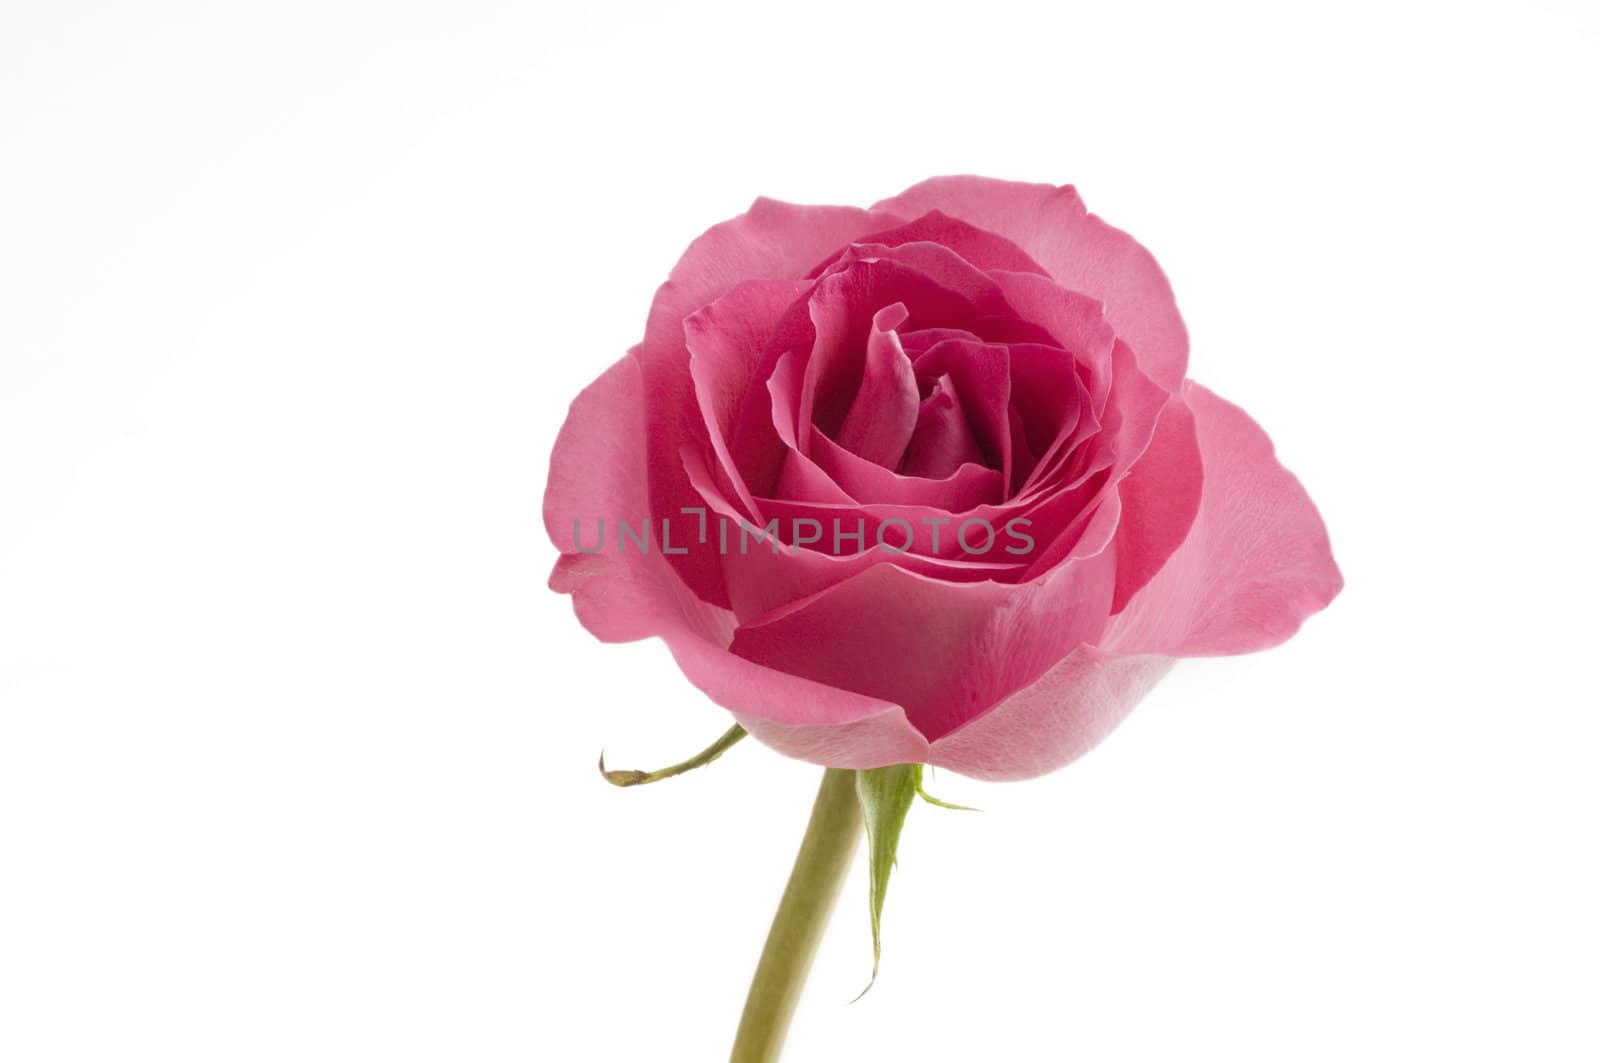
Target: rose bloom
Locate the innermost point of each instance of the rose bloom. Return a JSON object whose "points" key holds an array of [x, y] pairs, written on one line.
{"points": [[881, 390]]}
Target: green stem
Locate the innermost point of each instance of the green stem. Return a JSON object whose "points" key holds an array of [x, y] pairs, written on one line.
{"points": [[819, 870]]}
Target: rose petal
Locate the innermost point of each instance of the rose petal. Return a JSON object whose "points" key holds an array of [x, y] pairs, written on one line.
{"points": [[883, 413], [1075, 322], [829, 331], [940, 265], [981, 375], [830, 475], [597, 468], [1256, 561], [984, 249], [725, 339], [969, 486], [1078, 250], [1096, 468], [943, 440], [1050, 403], [843, 307], [1053, 721], [940, 650], [772, 240], [1160, 496], [765, 572]]}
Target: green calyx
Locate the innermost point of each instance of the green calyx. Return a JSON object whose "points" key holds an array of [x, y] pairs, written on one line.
{"points": [[886, 795]]}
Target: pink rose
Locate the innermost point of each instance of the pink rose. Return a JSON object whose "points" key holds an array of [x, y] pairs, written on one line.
{"points": [[926, 483]]}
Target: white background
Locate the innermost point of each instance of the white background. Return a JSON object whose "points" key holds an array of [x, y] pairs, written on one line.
{"points": [[297, 752]]}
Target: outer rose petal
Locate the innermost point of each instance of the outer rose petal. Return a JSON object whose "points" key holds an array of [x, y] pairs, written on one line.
{"points": [[772, 240], [1079, 250], [1160, 497], [984, 249], [1057, 719], [1255, 563], [597, 470], [945, 651]]}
